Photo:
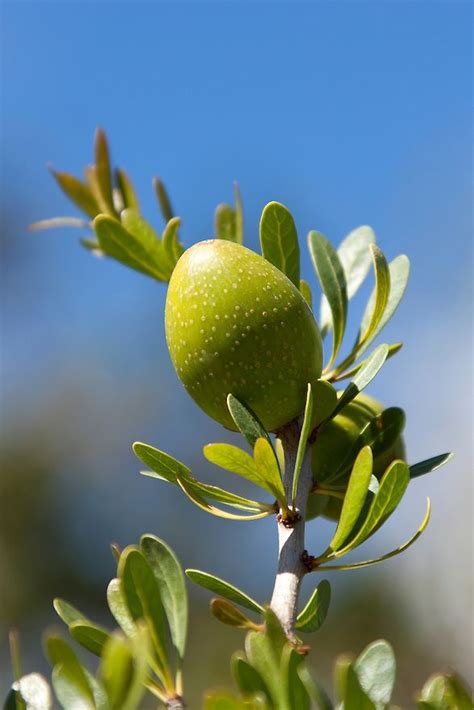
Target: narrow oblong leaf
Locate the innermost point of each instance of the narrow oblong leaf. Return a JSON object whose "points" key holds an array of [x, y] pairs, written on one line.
{"points": [[127, 191], [333, 283], [223, 589], [354, 255], [161, 462], [399, 272], [118, 607], [376, 308], [303, 440], [324, 401], [312, 617], [163, 199], [232, 458], [228, 614], [354, 498], [90, 636], [246, 677], [279, 240], [190, 490], [171, 244], [268, 469], [376, 669], [58, 222], [225, 223], [445, 692], [170, 579], [246, 421], [239, 215], [355, 697], [78, 192], [104, 172], [69, 678], [419, 469], [343, 374]]}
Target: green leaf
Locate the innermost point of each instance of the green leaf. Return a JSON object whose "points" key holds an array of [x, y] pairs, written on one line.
{"points": [[355, 698], [123, 670], [324, 401], [69, 678], [239, 215], [306, 292], [163, 199], [419, 469], [279, 240], [171, 244], [223, 589], [119, 243], [246, 677], [362, 378], [90, 636], [142, 230], [104, 173], [78, 192], [58, 222], [127, 191], [354, 255], [298, 696], [30, 692], [246, 421], [221, 700], [354, 498], [302, 443], [391, 490], [265, 657], [376, 669], [392, 553], [445, 692], [118, 607], [143, 599], [67, 612], [232, 458], [189, 489], [316, 693], [164, 464], [376, 307], [268, 469], [333, 283], [170, 579], [228, 614], [399, 271], [312, 617], [225, 223]]}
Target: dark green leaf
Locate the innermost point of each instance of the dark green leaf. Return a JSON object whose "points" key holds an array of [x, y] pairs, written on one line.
{"points": [[247, 677], [228, 614], [419, 469], [333, 283], [306, 292], [223, 589], [170, 579], [89, 636], [279, 240], [239, 216], [247, 422], [225, 223], [303, 441], [79, 193], [354, 498], [104, 173], [375, 669], [163, 199], [162, 463], [312, 617]]}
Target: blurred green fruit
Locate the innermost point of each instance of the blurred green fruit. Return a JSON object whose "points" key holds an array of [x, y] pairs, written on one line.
{"points": [[335, 442], [236, 324]]}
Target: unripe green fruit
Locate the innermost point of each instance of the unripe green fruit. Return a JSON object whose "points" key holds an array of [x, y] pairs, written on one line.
{"points": [[236, 324], [334, 443]]}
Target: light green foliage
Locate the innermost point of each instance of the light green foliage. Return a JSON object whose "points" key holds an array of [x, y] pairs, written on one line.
{"points": [[279, 240]]}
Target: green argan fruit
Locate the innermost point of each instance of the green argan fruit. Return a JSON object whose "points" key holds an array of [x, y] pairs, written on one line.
{"points": [[236, 324], [335, 442]]}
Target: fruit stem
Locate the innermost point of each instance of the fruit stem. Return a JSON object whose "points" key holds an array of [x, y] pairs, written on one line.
{"points": [[291, 567]]}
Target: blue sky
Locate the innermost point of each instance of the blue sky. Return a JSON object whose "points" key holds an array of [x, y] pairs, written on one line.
{"points": [[348, 112]]}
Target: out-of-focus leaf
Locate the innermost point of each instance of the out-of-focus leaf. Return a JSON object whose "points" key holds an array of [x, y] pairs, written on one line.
{"points": [[127, 191], [419, 469], [341, 668], [123, 670], [170, 579], [399, 271], [333, 283], [78, 192], [445, 692], [247, 677], [159, 461], [279, 240], [312, 617], [306, 292], [67, 612], [303, 441], [354, 697], [171, 244], [90, 636], [58, 222], [344, 374], [163, 199], [93, 246], [362, 378], [239, 215], [298, 696], [119, 243], [247, 422], [104, 172], [354, 498], [268, 469], [354, 255], [32, 692], [228, 614], [374, 312], [142, 230], [118, 607], [316, 693], [221, 700], [376, 669], [392, 553], [69, 678], [225, 223], [223, 589]]}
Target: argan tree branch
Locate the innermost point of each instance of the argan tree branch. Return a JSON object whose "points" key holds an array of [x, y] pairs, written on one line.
{"points": [[291, 568]]}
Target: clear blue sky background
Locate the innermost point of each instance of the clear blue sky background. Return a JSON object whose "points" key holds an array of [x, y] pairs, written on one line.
{"points": [[348, 112]]}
